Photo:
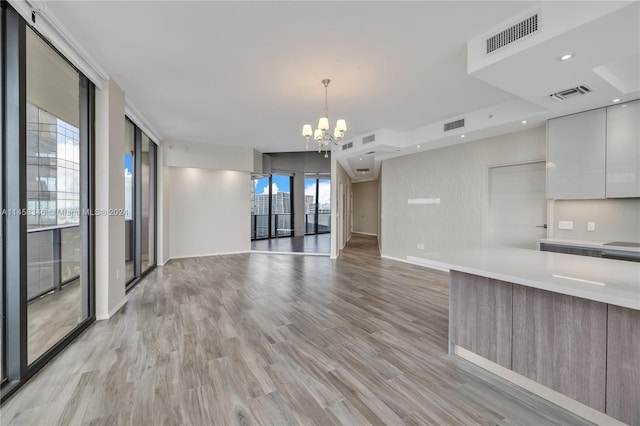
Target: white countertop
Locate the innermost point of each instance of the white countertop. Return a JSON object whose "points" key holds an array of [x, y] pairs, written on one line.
{"points": [[587, 244], [616, 282]]}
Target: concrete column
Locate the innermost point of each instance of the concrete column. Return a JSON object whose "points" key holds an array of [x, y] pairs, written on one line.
{"points": [[109, 196]]}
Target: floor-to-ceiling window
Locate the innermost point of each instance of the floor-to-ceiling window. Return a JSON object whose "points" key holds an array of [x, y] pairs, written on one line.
{"points": [[271, 206], [129, 228], [140, 203], [317, 205], [47, 115]]}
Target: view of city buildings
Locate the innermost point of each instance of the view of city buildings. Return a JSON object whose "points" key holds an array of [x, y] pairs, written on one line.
{"points": [[53, 170], [281, 207]]}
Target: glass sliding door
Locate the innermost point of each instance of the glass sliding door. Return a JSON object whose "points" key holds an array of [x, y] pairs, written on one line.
{"points": [[148, 204], [317, 206], [281, 218], [129, 205], [310, 205], [55, 291], [260, 208], [271, 206], [47, 220], [324, 206], [140, 203]]}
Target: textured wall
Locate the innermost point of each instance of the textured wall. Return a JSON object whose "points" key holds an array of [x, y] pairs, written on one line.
{"points": [[458, 176], [365, 207], [209, 211], [616, 219]]}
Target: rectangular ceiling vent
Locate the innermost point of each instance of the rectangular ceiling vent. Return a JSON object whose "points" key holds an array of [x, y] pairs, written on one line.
{"points": [[574, 91], [513, 33], [370, 152], [362, 170], [368, 139], [347, 146], [454, 125]]}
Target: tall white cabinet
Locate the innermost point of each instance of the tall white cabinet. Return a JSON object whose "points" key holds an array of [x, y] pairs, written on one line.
{"points": [[623, 150], [576, 148]]}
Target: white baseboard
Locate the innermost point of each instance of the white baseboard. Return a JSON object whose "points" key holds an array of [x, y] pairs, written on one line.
{"points": [[365, 233], [431, 264], [416, 263], [289, 252], [113, 311], [208, 255], [542, 391]]}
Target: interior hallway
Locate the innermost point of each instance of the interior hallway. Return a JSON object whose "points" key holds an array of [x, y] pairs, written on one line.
{"points": [[276, 339]]}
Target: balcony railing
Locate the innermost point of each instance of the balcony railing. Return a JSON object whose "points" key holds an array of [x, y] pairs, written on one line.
{"points": [[324, 223], [53, 258], [280, 226]]}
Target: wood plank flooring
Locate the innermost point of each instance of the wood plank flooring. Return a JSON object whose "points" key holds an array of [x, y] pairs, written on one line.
{"points": [[308, 244], [274, 339], [51, 317]]}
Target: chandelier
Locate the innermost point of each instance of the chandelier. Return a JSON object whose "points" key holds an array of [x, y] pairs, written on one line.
{"points": [[321, 135]]}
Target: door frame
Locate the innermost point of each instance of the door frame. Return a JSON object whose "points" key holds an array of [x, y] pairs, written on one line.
{"points": [[485, 194]]}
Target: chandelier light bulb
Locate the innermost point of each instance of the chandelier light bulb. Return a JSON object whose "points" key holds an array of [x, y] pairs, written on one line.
{"points": [[318, 135], [323, 124], [307, 131], [341, 125]]}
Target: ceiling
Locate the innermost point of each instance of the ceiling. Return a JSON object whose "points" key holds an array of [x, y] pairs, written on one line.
{"points": [[249, 74]]}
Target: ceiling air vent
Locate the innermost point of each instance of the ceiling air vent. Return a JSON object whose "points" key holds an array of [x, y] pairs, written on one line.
{"points": [[574, 91], [362, 170], [347, 146], [370, 152], [368, 139], [454, 125], [513, 33]]}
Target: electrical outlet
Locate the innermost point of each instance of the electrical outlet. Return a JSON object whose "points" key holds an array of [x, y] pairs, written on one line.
{"points": [[565, 224], [591, 226]]}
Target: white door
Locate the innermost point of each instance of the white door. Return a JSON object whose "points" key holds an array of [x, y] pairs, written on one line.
{"points": [[517, 210]]}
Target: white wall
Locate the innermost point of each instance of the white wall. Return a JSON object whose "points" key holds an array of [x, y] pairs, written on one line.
{"points": [[340, 216], [365, 207], [615, 219], [458, 176], [208, 211], [208, 156], [109, 194]]}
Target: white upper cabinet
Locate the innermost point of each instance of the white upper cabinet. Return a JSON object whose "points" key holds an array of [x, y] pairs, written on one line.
{"points": [[576, 155], [623, 150]]}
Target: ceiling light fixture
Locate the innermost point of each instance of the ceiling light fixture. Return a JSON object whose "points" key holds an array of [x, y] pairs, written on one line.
{"points": [[462, 136], [566, 57], [418, 146], [321, 135], [523, 122], [615, 100]]}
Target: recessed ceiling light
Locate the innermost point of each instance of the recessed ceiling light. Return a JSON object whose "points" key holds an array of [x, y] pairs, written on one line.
{"points": [[523, 122], [624, 106], [615, 100], [566, 57], [462, 136], [360, 158], [418, 146]]}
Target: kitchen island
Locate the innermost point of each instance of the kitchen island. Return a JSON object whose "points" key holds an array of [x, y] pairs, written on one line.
{"points": [[564, 327]]}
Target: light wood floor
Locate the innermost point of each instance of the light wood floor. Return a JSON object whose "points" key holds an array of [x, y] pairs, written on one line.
{"points": [[276, 339], [315, 244], [51, 317]]}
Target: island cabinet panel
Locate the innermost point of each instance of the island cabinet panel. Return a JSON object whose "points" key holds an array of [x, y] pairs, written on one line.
{"points": [[480, 310], [560, 342], [623, 365]]}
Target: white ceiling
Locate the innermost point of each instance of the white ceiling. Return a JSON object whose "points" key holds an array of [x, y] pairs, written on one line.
{"points": [[249, 73]]}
